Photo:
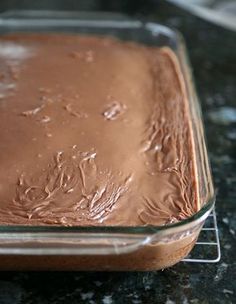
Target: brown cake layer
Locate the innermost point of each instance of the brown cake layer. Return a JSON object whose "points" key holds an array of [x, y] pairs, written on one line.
{"points": [[93, 131]]}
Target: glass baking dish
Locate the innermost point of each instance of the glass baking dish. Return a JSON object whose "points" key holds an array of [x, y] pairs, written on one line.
{"points": [[109, 248]]}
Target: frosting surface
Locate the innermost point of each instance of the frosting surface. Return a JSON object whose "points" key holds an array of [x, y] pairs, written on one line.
{"points": [[93, 131]]}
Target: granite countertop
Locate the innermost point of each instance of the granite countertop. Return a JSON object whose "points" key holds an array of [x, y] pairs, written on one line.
{"points": [[213, 57]]}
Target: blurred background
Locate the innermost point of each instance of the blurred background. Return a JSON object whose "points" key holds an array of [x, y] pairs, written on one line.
{"points": [[222, 12]]}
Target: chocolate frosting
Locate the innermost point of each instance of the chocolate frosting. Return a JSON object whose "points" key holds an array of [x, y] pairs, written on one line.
{"points": [[93, 131]]}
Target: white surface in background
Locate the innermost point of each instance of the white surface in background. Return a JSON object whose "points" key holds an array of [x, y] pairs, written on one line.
{"points": [[219, 12]]}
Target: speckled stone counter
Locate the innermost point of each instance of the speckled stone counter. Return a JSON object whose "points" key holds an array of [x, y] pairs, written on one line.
{"points": [[213, 57]]}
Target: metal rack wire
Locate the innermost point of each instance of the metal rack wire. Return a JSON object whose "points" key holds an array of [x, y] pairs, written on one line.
{"points": [[207, 248]]}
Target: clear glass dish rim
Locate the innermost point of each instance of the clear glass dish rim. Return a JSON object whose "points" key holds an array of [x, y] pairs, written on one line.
{"points": [[106, 19]]}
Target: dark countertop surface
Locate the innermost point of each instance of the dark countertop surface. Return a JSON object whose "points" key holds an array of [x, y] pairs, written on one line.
{"points": [[213, 57]]}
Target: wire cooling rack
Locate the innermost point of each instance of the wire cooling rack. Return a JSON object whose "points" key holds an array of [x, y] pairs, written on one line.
{"points": [[207, 248]]}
